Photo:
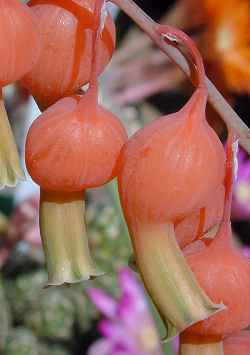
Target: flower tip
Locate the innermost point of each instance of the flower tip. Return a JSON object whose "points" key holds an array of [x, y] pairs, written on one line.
{"points": [[125, 274], [69, 277], [105, 303], [126, 277], [128, 283], [10, 169], [10, 177]]}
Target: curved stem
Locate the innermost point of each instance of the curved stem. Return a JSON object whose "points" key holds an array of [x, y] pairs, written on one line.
{"points": [[97, 29], [223, 108], [176, 38]]}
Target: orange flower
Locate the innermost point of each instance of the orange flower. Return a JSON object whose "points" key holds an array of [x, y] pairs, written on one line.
{"points": [[228, 41]]}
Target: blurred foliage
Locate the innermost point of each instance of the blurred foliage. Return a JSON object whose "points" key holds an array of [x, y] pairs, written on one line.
{"points": [[21, 341], [5, 316], [62, 320], [39, 321]]}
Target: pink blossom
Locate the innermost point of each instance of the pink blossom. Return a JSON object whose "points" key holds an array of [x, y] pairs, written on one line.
{"points": [[246, 251], [128, 327], [175, 343], [241, 192]]}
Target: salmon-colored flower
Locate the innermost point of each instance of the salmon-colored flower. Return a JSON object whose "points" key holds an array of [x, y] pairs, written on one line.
{"points": [[227, 41]]}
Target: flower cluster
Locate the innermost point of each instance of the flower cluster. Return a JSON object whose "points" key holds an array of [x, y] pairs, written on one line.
{"points": [[174, 178]]}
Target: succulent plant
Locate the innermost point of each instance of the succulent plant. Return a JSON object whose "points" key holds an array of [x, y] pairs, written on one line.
{"points": [[28, 287], [4, 316], [45, 349], [52, 316], [21, 341], [50, 313]]}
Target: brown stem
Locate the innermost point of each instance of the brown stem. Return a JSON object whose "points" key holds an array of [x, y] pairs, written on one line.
{"points": [[178, 38], [150, 27]]}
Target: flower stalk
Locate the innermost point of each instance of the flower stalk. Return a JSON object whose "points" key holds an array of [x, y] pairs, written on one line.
{"points": [[64, 238], [10, 169], [151, 28]]}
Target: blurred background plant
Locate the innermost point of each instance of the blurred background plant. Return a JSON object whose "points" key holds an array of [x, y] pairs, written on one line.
{"points": [[139, 84]]}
